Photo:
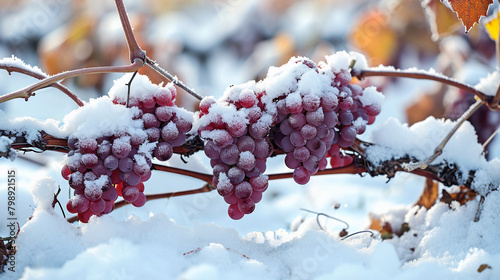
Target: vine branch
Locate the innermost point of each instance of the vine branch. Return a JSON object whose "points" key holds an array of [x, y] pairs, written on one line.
{"points": [[28, 91], [65, 90], [360, 74]]}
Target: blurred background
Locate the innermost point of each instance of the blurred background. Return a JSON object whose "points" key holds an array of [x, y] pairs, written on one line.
{"points": [[212, 44]]}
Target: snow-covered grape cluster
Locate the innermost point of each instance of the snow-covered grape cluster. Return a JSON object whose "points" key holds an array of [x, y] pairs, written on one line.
{"points": [[100, 169], [308, 111], [238, 147]]}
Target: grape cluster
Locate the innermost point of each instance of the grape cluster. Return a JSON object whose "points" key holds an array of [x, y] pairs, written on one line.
{"points": [[94, 166], [238, 146], [99, 170], [308, 111]]}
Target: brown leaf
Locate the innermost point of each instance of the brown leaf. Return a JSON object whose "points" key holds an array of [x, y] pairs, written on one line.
{"points": [[463, 195], [384, 228], [429, 195], [442, 20], [429, 104], [374, 36], [469, 11], [483, 267]]}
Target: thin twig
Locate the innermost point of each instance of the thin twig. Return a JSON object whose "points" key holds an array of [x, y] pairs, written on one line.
{"points": [[490, 138], [170, 77], [202, 176], [28, 91], [65, 90], [439, 149], [422, 76], [496, 99], [349, 169], [129, 85]]}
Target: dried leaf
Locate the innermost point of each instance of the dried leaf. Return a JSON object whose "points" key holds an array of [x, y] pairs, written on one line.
{"points": [[463, 195], [483, 267], [430, 104], [492, 25], [470, 11], [374, 36], [442, 20], [384, 228], [429, 195]]}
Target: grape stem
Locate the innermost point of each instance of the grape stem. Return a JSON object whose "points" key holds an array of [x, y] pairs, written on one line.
{"points": [[151, 63], [28, 72], [360, 74], [207, 178]]}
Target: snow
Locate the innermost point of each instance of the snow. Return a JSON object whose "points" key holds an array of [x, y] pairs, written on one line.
{"points": [[420, 140], [371, 96], [19, 63], [489, 85]]}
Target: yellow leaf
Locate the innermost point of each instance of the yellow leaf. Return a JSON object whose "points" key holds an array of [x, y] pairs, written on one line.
{"points": [[492, 26]]}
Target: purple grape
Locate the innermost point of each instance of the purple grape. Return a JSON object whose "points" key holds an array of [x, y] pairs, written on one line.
{"points": [[111, 162], [163, 151], [296, 121], [121, 148], [89, 160], [126, 164], [308, 131], [236, 175], [225, 188], [150, 120], [285, 127], [301, 175], [243, 190], [130, 193], [230, 154], [80, 203], [246, 143], [246, 206], [296, 139], [104, 150], [263, 148], [87, 145], [291, 162], [164, 113], [169, 132], [259, 183], [246, 161], [301, 153], [153, 134], [311, 102]]}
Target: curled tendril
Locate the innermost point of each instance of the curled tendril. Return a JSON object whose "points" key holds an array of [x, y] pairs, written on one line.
{"points": [[318, 214], [358, 232]]}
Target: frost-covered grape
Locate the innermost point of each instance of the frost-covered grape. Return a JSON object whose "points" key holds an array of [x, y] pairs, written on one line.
{"points": [[234, 212], [130, 193], [163, 151], [301, 175]]}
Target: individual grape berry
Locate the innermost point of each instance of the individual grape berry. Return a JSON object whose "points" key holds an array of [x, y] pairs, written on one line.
{"points": [[65, 172], [301, 175]]}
